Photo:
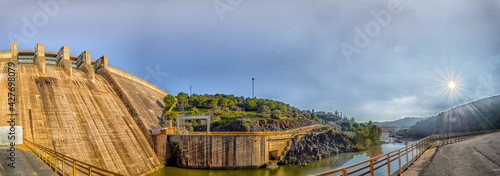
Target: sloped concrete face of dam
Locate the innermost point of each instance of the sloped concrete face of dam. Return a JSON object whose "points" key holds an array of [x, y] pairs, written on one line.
{"points": [[101, 119]]}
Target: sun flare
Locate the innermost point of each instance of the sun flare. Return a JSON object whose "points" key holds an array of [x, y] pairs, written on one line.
{"points": [[451, 85]]}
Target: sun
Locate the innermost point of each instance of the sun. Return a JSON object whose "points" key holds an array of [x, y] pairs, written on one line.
{"points": [[451, 85]]}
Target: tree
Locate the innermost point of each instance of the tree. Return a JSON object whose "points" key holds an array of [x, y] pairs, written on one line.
{"points": [[212, 103], [264, 110], [182, 98], [194, 111], [352, 120], [202, 101], [276, 114], [224, 102], [169, 101], [194, 101], [315, 117], [345, 125], [182, 95], [250, 105], [355, 125], [369, 123], [271, 104], [170, 115]]}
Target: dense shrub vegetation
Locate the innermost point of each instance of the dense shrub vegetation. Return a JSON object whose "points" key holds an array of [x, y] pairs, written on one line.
{"points": [[233, 113]]}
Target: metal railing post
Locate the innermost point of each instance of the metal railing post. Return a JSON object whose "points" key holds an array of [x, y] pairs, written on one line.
{"points": [[426, 143], [371, 167], [63, 166], [344, 172], [74, 168], [388, 164], [412, 153], [90, 170], [407, 157], [421, 147], [55, 166], [399, 160]]}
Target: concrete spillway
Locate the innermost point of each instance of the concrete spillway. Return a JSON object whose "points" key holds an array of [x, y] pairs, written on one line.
{"points": [[101, 119]]}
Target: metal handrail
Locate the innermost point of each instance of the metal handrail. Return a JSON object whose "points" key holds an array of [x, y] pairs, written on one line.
{"points": [[416, 149], [57, 161], [263, 133]]}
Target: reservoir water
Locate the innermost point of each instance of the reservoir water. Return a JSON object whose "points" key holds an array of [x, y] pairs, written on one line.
{"points": [[325, 164]]}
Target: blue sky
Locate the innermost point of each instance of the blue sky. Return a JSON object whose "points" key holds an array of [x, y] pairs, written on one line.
{"points": [[373, 60]]}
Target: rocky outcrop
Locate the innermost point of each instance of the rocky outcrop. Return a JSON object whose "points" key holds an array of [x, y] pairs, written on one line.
{"points": [[321, 143]]}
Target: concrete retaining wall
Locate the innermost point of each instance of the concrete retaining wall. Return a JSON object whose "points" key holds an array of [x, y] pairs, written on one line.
{"points": [[222, 152]]}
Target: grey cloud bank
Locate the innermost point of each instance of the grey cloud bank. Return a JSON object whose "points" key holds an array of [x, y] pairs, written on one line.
{"points": [[292, 48]]}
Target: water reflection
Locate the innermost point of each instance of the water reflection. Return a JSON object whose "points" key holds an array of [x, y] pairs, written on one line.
{"points": [[326, 164], [374, 151]]}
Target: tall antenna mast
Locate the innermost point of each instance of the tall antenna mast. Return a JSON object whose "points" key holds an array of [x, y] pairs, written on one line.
{"points": [[253, 95], [190, 90]]}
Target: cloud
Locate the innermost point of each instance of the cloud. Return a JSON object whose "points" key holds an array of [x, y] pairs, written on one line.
{"points": [[291, 47]]}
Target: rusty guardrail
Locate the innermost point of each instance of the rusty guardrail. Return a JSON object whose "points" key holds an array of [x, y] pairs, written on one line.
{"points": [[416, 149], [58, 161]]}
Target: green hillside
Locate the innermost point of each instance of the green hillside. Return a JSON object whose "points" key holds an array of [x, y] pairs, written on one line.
{"points": [[479, 115]]}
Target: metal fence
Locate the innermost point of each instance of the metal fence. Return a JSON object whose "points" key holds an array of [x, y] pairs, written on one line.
{"points": [[63, 164], [407, 155]]}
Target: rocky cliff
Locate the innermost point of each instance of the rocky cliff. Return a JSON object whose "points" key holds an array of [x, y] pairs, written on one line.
{"points": [[320, 143]]}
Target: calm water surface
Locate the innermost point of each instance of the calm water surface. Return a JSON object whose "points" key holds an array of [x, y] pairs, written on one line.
{"points": [[326, 164]]}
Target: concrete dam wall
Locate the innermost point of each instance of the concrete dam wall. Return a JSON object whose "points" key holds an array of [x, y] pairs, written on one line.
{"points": [[84, 108]]}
